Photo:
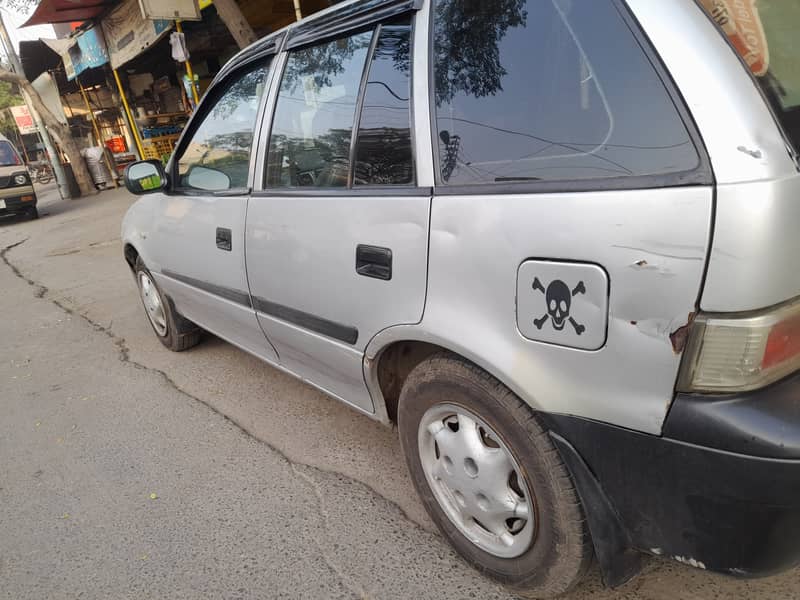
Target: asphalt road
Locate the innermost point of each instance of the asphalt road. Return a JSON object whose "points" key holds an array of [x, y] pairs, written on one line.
{"points": [[127, 471]]}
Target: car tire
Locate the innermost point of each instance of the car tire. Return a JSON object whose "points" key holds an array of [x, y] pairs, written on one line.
{"points": [[174, 330], [33, 213], [546, 551]]}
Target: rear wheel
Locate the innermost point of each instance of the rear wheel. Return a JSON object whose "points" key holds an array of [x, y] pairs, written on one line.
{"points": [[491, 479], [173, 330]]}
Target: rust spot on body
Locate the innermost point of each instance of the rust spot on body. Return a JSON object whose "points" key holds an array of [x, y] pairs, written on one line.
{"points": [[680, 336]]}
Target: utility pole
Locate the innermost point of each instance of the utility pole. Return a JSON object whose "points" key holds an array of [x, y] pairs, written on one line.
{"points": [[16, 66]]}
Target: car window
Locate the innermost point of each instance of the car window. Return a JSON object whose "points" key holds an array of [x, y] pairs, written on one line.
{"points": [[218, 155], [313, 123], [8, 155], [529, 90], [383, 147]]}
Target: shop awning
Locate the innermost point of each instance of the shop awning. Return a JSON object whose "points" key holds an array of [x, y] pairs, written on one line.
{"points": [[67, 11]]}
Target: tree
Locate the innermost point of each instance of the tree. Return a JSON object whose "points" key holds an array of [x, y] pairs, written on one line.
{"points": [[9, 96], [467, 45], [59, 131], [230, 14]]}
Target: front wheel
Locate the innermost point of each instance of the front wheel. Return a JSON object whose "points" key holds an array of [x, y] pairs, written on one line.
{"points": [[491, 479], [173, 330]]}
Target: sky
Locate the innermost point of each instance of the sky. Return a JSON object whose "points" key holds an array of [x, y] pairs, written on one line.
{"points": [[13, 20]]}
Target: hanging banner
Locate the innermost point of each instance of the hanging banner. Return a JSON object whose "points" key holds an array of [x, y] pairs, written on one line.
{"points": [[23, 119], [185, 10], [48, 92], [128, 34], [741, 22], [61, 47]]}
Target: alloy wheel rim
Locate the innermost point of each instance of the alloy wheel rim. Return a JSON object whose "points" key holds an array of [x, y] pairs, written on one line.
{"points": [[476, 480], [152, 304]]}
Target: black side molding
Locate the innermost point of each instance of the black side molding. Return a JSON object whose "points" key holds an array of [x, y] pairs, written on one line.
{"points": [[237, 296], [337, 331]]}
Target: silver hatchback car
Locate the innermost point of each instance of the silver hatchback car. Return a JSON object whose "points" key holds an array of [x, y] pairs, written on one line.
{"points": [[554, 241]]}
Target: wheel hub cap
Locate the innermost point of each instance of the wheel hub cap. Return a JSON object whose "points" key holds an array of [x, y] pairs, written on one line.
{"points": [[476, 480], [152, 304]]}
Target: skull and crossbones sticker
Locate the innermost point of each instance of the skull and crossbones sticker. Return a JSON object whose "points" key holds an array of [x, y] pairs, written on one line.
{"points": [[558, 297]]}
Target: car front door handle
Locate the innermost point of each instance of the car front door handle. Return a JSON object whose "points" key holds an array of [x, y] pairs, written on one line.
{"points": [[224, 239], [374, 261]]}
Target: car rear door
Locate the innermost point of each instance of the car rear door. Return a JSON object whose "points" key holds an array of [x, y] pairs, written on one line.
{"points": [[337, 235]]}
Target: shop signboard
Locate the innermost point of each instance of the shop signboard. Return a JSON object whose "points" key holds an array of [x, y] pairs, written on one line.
{"points": [[23, 119], [128, 34], [185, 10], [88, 51], [741, 22]]}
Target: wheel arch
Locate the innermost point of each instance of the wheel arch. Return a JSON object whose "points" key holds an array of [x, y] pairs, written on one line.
{"points": [[131, 254], [394, 352]]}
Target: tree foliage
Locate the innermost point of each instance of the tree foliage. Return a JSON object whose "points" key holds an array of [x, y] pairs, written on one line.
{"points": [[9, 96], [466, 45]]}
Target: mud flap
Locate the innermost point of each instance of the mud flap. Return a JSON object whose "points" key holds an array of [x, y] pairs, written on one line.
{"points": [[618, 562]]}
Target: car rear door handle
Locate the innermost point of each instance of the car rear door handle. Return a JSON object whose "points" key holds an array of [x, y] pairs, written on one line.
{"points": [[224, 239], [374, 261]]}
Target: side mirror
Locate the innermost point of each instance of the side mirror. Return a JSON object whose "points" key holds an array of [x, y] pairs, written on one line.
{"points": [[204, 178], [145, 177]]}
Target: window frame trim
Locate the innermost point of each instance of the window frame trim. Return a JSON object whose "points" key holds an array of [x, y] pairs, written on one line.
{"points": [[701, 175]]}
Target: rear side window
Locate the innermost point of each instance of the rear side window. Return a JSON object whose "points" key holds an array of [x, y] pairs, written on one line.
{"points": [[530, 90], [325, 93], [383, 151], [313, 124], [765, 34], [217, 157]]}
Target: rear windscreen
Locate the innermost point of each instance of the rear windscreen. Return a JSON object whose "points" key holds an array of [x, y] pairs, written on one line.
{"points": [[766, 34]]}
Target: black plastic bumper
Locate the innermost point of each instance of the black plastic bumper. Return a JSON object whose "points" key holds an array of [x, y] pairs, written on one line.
{"points": [[720, 490], [15, 205]]}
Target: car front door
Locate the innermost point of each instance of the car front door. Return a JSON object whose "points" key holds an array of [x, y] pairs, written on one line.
{"points": [[199, 236], [337, 238]]}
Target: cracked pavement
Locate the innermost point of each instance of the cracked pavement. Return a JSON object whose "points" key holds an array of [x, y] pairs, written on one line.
{"points": [[128, 471]]}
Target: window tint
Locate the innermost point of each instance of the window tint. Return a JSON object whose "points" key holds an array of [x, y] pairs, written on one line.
{"points": [[530, 90], [313, 123], [218, 155], [383, 150]]}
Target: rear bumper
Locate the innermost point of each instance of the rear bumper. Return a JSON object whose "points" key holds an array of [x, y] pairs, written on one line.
{"points": [[20, 201], [720, 490]]}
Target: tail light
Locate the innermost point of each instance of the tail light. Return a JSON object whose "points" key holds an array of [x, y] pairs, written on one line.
{"points": [[735, 353]]}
